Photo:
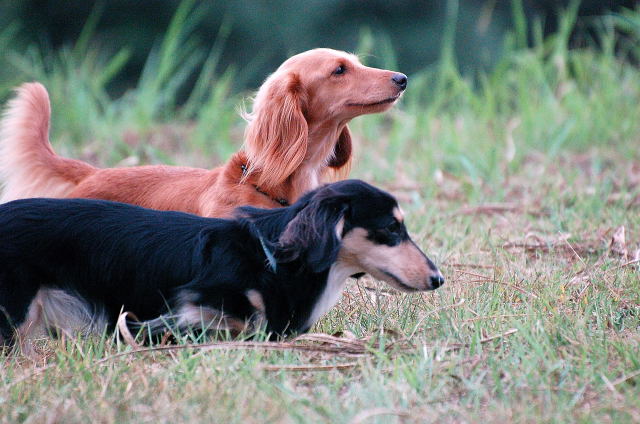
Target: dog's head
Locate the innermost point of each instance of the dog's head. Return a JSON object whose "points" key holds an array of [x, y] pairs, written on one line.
{"points": [[315, 90], [338, 86], [361, 227]]}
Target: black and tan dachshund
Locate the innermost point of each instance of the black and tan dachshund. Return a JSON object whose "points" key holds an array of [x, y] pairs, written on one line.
{"points": [[73, 265]]}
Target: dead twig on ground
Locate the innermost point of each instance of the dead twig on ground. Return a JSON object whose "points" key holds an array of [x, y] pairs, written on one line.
{"points": [[311, 367], [496, 208]]}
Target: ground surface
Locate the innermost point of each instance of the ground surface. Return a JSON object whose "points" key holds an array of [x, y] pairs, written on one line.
{"points": [[524, 187]]}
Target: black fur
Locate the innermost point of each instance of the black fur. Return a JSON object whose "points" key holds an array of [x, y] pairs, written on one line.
{"points": [[119, 257]]}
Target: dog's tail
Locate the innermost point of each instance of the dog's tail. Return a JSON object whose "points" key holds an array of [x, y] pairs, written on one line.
{"points": [[28, 165]]}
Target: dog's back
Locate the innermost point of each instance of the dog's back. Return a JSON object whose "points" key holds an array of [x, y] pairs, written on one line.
{"points": [[29, 167], [72, 231], [99, 250]]}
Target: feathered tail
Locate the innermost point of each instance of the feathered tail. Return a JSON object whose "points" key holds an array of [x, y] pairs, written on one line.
{"points": [[28, 165]]}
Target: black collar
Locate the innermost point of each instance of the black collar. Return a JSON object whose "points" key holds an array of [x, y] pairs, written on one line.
{"points": [[280, 200]]}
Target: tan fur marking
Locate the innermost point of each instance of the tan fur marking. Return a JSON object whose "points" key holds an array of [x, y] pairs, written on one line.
{"points": [[336, 280], [256, 300], [339, 228], [69, 314], [208, 318], [398, 213], [57, 310], [405, 260], [32, 327]]}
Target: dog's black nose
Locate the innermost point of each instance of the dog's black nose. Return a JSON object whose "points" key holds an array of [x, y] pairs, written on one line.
{"points": [[400, 80], [436, 280]]}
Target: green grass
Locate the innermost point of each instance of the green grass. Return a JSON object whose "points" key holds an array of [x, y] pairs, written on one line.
{"points": [[514, 183]]}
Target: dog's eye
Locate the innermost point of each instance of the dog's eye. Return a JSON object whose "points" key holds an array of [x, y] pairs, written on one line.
{"points": [[395, 227], [339, 70]]}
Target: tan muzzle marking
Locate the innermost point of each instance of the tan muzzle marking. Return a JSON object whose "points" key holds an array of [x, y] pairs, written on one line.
{"points": [[403, 266]]}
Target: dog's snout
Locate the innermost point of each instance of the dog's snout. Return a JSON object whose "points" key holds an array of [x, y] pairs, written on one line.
{"points": [[400, 80], [436, 280]]}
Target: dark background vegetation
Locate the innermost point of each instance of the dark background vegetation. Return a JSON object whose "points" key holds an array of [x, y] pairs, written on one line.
{"points": [[257, 35]]}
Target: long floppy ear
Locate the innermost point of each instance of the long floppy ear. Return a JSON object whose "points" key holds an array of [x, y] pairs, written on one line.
{"points": [[342, 151], [314, 234], [340, 163], [277, 135]]}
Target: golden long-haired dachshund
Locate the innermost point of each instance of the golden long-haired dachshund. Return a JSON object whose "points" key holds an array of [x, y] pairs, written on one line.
{"points": [[297, 134]]}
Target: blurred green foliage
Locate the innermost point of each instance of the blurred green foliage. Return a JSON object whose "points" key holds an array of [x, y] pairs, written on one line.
{"points": [[255, 36]]}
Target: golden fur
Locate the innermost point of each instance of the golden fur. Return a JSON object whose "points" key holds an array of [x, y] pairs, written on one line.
{"points": [[297, 136]]}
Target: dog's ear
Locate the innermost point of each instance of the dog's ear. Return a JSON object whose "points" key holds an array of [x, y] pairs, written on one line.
{"points": [[314, 234], [277, 135], [340, 164], [342, 151]]}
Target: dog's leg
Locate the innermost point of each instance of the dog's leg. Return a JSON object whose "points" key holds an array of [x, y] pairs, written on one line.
{"points": [[69, 314], [188, 318], [19, 309]]}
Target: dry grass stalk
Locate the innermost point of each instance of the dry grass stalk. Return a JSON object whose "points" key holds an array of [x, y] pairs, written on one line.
{"points": [[306, 368], [367, 414]]}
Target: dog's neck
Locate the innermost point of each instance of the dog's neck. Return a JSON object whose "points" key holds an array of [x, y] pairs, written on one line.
{"points": [[321, 145], [297, 307], [282, 201], [236, 172], [337, 277]]}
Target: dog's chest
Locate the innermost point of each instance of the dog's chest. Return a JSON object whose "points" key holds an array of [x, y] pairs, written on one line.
{"points": [[328, 297]]}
